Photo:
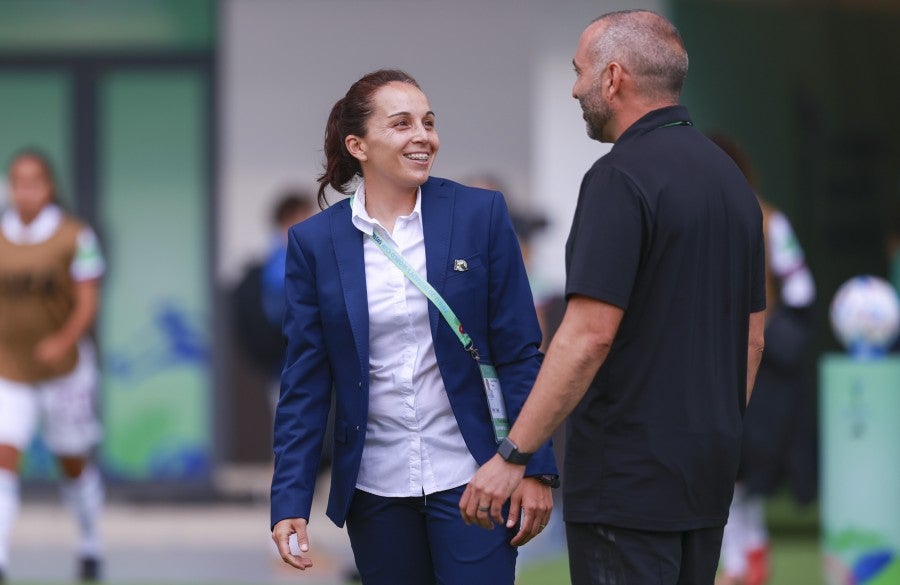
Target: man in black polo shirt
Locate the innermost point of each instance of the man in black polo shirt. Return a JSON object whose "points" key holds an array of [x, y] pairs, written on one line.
{"points": [[662, 335]]}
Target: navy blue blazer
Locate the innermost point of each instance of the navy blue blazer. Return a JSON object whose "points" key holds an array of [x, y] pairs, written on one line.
{"points": [[327, 331]]}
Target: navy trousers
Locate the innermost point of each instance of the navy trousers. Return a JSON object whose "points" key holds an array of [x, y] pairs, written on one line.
{"points": [[423, 541], [609, 555]]}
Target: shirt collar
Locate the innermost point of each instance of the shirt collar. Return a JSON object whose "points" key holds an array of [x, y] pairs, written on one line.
{"points": [[39, 230], [653, 120], [364, 222]]}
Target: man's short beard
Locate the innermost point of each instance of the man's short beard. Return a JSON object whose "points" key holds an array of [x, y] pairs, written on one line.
{"points": [[596, 120], [593, 131]]}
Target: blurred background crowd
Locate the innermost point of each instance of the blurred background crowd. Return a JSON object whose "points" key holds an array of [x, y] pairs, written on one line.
{"points": [[179, 129]]}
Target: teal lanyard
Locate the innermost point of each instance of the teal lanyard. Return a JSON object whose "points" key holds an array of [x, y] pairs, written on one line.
{"points": [[427, 290], [678, 123], [489, 377]]}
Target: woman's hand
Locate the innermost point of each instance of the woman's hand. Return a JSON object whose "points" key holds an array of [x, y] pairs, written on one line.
{"points": [[535, 501], [52, 349], [493, 484], [281, 534]]}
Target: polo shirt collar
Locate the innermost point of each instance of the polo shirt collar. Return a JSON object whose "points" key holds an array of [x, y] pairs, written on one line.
{"points": [[653, 120]]}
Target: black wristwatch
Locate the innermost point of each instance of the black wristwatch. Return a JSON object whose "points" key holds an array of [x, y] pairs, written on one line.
{"points": [[510, 452]]}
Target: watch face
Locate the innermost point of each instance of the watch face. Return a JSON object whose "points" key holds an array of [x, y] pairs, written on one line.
{"points": [[506, 449]]}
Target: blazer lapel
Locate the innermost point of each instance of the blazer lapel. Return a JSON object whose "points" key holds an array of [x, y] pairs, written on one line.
{"points": [[437, 210], [348, 250]]}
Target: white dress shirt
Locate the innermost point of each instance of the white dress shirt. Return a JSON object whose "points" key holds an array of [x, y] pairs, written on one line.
{"points": [[413, 444]]}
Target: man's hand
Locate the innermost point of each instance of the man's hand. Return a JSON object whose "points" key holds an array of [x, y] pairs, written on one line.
{"points": [[281, 534], [535, 501], [482, 502]]}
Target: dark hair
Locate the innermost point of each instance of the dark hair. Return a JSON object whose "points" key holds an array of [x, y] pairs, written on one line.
{"points": [[291, 203], [737, 154], [42, 158], [349, 116]]}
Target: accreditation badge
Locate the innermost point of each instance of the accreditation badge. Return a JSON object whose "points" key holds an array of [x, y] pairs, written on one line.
{"points": [[495, 401]]}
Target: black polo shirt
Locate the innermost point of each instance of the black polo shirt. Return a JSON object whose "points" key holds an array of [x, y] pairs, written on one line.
{"points": [[666, 228]]}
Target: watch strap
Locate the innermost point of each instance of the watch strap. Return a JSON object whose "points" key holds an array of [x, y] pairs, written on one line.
{"points": [[510, 453]]}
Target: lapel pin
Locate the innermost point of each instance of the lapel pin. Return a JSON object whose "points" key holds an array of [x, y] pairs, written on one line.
{"points": [[460, 265]]}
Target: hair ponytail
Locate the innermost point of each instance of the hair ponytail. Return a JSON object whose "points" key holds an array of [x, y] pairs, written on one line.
{"points": [[340, 166], [349, 116]]}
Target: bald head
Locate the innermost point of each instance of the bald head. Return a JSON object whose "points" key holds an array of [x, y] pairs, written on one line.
{"points": [[647, 45]]}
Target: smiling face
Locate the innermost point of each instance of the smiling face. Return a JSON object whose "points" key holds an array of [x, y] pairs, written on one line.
{"points": [[31, 187], [401, 141]]}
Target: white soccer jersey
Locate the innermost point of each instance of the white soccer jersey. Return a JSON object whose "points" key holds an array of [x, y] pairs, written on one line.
{"points": [[788, 264]]}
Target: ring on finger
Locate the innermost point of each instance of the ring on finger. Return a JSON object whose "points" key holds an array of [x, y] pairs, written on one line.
{"points": [[484, 508]]}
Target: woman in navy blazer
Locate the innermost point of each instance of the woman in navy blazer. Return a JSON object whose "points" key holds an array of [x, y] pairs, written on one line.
{"points": [[412, 421]]}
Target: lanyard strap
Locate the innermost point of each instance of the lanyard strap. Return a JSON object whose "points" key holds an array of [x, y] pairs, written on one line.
{"points": [[489, 378], [677, 123], [427, 290]]}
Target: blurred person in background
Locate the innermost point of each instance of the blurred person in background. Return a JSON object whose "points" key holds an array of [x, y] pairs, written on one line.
{"points": [[773, 447], [258, 299], [526, 225], [50, 270], [292, 208], [412, 418]]}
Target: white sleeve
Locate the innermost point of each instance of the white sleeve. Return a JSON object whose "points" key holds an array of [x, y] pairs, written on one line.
{"points": [[786, 260], [88, 263]]}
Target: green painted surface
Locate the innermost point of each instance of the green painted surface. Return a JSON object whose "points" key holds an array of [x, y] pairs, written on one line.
{"points": [[860, 451], [155, 325], [54, 25], [767, 73], [34, 112]]}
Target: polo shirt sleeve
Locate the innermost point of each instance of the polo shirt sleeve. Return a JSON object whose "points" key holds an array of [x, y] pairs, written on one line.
{"points": [[606, 238], [88, 263]]}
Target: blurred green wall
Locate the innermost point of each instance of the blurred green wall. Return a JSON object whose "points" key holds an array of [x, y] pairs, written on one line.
{"points": [[809, 92], [120, 95], [48, 26]]}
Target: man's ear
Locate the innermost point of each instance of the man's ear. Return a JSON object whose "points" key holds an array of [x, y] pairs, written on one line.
{"points": [[356, 146], [613, 81]]}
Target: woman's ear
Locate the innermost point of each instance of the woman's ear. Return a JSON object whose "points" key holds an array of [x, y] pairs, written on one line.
{"points": [[356, 146]]}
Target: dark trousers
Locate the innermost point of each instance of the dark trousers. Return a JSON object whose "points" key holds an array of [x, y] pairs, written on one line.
{"points": [[608, 555], [423, 541]]}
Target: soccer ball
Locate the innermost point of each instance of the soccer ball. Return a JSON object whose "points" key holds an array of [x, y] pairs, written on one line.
{"points": [[865, 315]]}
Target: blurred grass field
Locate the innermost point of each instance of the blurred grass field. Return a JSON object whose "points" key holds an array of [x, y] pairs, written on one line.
{"points": [[796, 556], [795, 561]]}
